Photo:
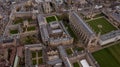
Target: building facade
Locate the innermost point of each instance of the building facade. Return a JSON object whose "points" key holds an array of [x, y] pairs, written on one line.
{"points": [[82, 30], [53, 33]]}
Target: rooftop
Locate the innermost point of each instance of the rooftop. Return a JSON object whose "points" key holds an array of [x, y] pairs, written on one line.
{"points": [[110, 35], [82, 24]]}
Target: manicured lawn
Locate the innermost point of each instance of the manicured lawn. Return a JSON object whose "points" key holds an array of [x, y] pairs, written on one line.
{"points": [[51, 19], [33, 54], [58, 17], [29, 19], [76, 64], [40, 61], [106, 27], [34, 62], [78, 48], [40, 53], [108, 57], [28, 40], [69, 51], [98, 15], [13, 31], [31, 28], [18, 20]]}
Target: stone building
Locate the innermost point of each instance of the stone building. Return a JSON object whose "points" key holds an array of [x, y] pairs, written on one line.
{"points": [[47, 7], [54, 33], [28, 56], [110, 37], [82, 30]]}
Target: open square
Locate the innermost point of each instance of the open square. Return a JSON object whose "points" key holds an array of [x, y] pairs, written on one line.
{"points": [[106, 27]]}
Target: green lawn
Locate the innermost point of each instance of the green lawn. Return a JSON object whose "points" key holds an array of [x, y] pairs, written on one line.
{"points": [[40, 61], [18, 20], [69, 51], [51, 19], [108, 57], [31, 28], [98, 15], [34, 62], [29, 19], [33, 54], [76, 64], [78, 48], [28, 40], [13, 31], [106, 27], [59, 17], [40, 53]]}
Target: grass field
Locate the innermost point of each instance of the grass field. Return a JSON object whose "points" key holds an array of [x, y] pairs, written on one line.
{"points": [[108, 57], [76, 64], [106, 27], [29, 19], [31, 28], [34, 62], [40, 53], [78, 48], [69, 51], [36, 54], [18, 20], [40, 60], [13, 31], [28, 40], [33, 54], [51, 19]]}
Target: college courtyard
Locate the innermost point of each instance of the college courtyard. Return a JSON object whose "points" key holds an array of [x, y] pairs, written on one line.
{"points": [[102, 25], [60, 33]]}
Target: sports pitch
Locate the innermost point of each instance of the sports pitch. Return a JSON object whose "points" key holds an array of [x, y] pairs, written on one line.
{"points": [[108, 57], [101, 25]]}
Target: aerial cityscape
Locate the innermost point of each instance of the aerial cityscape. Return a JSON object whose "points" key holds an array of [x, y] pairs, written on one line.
{"points": [[59, 33]]}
